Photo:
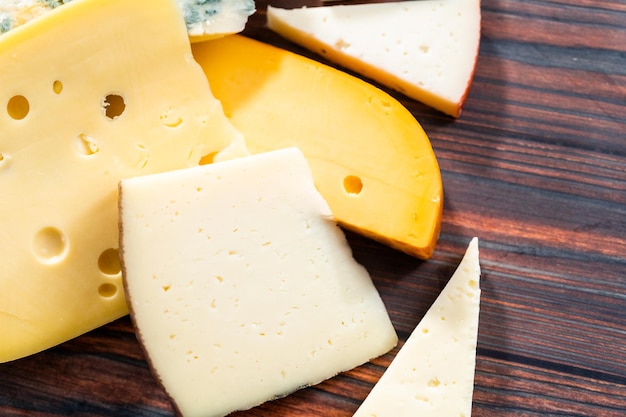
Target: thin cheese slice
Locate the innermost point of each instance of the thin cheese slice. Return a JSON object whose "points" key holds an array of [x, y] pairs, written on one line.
{"points": [[370, 158], [241, 286], [92, 92], [426, 49], [433, 373]]}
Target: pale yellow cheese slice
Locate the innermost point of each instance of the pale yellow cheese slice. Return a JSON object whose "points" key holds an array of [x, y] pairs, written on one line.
{"points": [[92, 92], [240, 284], [370, 158], [426, 49], [433, 373]]}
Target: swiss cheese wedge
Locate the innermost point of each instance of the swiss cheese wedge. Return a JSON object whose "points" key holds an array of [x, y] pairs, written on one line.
{"points": [[240, 284], [370, 158], [426, 49], [433, 373], [91, 92]]}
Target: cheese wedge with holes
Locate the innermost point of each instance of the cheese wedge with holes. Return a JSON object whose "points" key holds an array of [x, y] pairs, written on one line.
{"points": [[92, 92], [433, 373], [370, 158], [426, 49], [240, 284]]}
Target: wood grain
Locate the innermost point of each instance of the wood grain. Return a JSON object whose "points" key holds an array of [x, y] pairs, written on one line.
{"points": [[535, 167]]}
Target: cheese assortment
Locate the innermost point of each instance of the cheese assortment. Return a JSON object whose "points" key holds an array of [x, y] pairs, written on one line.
{"points": [[240, 284], [122, 97], [204, 19], [425, 49], [433, 373], [370, 158]]}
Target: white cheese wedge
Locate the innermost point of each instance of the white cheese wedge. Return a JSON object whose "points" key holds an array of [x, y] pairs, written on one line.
{"points": [[433, 373], [89, 98], [204, 19], [240, 284], [426, 49]]}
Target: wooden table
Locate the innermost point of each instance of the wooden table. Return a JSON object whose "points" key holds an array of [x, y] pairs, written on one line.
{"points": [[535, 167]]}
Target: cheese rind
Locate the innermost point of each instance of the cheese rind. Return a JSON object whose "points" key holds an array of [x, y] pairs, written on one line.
{"points": [[122, 97], [370, 158], [426, 49], [241, 286], [433, 373]]}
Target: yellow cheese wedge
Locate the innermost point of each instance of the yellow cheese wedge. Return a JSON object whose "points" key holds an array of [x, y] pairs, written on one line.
{"points": [[370, 158], [241, 285], [426, 49], [433, 373], [92, 92]]}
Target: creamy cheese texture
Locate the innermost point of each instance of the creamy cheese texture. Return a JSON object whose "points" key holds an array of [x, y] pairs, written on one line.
{"points": [[204, 18], [241, 286], [370, 158], [433, 373], [426, 49], [88, 98]]}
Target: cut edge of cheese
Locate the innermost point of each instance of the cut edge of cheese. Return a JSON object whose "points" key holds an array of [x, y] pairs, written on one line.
{"points": [[370, 157], [123, 97], [425, 49], [432, 374], [241, 287]]}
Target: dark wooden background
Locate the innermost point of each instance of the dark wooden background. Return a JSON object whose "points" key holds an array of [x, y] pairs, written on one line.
{"points": [[535, 167]]}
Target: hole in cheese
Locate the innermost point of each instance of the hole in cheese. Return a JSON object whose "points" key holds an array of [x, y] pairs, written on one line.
{"points": [[18, 107], [57, 87], [109, 262], [50, 245], [207, 159], [86, 145], [113, 106], [107, 290], [352, 185]]}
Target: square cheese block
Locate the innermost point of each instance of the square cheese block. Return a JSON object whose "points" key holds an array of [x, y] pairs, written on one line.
{"points": [[241, 285], [91, 92], [433, 373]]}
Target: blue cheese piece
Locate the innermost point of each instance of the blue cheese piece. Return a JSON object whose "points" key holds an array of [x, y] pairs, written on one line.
{"points": [[241, 285], [205, 19], [433, 373], [14, 13]]}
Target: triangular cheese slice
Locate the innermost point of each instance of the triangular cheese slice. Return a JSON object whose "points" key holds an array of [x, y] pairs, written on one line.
{"points": [[426, 49], [433, 373], [241, 285], [92, 92]]}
